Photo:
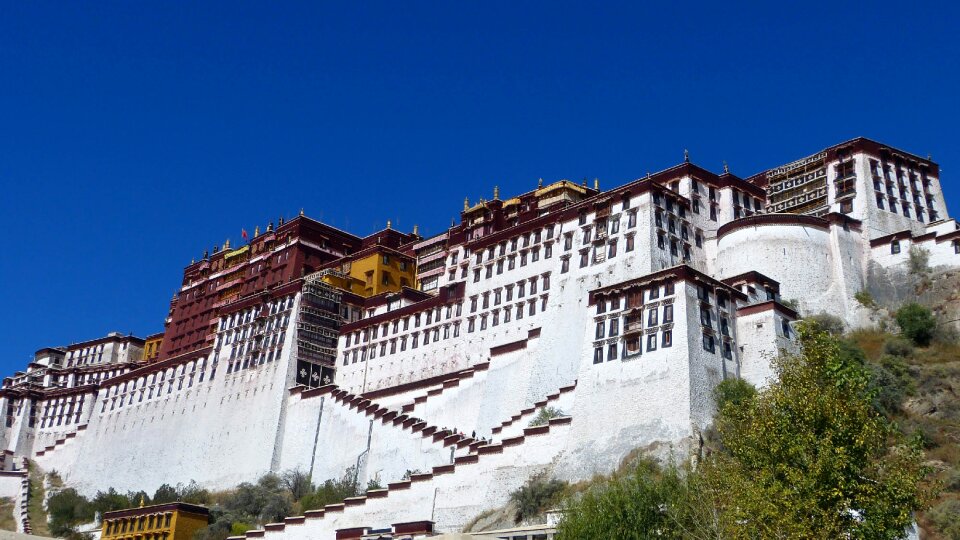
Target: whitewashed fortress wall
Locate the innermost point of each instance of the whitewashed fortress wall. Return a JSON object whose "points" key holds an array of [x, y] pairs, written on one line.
{"points": [[621, 309]]}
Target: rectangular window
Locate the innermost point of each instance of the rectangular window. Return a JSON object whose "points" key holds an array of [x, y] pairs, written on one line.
{"points": [[666, 338], [611, 352], [598, 355], [614, 327], [651, 342], [708, 343], [668, 314], [612, 250], [705, 317], [565, 265], [652, 317]]}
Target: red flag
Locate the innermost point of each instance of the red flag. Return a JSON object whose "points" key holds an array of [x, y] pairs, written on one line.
{"points": [[243, 233]]}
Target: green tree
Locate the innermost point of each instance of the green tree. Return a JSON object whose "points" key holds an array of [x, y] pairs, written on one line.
{"points": [[110, 500], [809, 456], [165, 494], [917, 323], [734, 392], [812, 457], [67, 509]]}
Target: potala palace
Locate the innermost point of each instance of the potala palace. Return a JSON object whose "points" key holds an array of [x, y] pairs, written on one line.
{"points": [[308, 347]]}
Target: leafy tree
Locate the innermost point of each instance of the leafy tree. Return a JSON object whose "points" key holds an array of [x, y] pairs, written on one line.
{"points": [[110, 500], [67, 509], [165, 494], [917, 323], [807, 457], [194, 494], [734, 392], [812, 457]]}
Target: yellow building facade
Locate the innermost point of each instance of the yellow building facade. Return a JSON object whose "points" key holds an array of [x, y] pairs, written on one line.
{"points": [[383, 270], [171, 521], [151, 347]]}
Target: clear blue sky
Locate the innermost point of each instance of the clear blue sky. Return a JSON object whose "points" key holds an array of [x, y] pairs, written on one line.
{"points": [[134, 135]]}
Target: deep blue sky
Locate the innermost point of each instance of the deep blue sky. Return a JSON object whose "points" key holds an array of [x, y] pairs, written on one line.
{"points": [[135, 135]]}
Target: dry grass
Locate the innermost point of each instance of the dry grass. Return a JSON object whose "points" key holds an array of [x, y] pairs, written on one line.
{"points": [[7, 522], [871, 341], [938, 353], [38, 516]]}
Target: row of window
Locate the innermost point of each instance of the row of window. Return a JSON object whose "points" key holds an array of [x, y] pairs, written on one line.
{"points": [[517, 242], [429, 315], [139, 389], [632, 346], [142, 523], [62, 410], [610, 327], [507, 292]]}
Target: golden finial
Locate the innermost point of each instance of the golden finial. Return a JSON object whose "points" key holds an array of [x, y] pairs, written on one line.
{"points": [[141, 501], [540, 183], [192, 260], [726, 168], [596, 184], [389, 224], [256, 231], [466, 204], [301, 211], [496, 193], [584, 181], [453, 222], [416, 229], [686, 156], [226, 245]]}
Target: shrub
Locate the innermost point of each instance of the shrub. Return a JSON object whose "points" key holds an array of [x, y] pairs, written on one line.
{"points": [[897, 346], [536, 496], [297, 483], [919, 260], [332, 491], [946, 516], [545, 415], [890, 382], [865, 298], [791, 303], [830, 324], [917, 323]]}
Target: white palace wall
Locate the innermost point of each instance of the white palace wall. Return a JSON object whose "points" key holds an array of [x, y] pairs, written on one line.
{"points": [[821, 268], [220, 431]]}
